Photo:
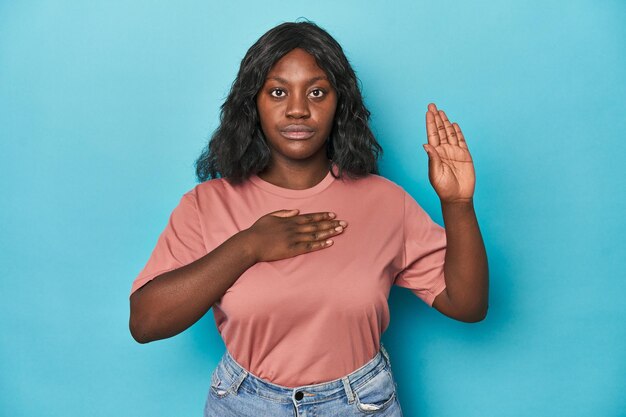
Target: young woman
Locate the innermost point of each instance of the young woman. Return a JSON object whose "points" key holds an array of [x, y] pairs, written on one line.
{"points": [[295, 241]]}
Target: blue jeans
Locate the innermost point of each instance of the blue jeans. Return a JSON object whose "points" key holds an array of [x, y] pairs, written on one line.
{"points": [[370, 390]]}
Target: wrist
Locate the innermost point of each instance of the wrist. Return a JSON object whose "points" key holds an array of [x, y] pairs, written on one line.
{"points": [[457, 212], [245, 243], [459, 202]]}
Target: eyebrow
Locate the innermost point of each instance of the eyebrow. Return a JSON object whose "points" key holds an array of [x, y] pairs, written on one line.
{"points": [[309, 82]]}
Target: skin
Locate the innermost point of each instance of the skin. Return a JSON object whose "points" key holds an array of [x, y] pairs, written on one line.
{"points": [[296, 92], [173, 301], [451, 173]]}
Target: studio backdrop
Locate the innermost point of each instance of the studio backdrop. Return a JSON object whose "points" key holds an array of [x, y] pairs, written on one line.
{"points": [[105, 105]]}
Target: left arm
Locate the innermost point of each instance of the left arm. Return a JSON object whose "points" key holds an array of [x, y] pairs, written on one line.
{"points": [[451, 173], [465, 269]]}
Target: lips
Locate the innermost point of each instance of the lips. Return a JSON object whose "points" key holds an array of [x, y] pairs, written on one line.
{"points": [[297, 132]]}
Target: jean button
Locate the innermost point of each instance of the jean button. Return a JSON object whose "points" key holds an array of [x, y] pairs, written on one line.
{"points": [[299, 395]]}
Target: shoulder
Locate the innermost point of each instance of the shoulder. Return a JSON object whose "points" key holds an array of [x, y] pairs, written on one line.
{"points": [[216, 186], [376, 184], [215, 193]]}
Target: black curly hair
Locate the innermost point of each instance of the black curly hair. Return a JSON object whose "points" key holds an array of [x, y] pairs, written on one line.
{"points": [[237, 148]]}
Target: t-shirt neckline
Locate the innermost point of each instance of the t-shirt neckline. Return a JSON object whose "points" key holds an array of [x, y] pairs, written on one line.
{"points": [[291, 193]]}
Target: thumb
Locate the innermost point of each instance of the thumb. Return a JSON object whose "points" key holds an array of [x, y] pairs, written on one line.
{"points": [[285, 213], [434, 162]]}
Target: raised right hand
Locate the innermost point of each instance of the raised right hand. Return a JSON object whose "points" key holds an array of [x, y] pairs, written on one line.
{"points": [[283, 234]]}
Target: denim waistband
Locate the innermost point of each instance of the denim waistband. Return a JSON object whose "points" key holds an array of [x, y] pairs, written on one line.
{"points": [[309, 393]]}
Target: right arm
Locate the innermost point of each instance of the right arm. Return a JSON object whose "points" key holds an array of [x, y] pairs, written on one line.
{"points": [[173, 301]]}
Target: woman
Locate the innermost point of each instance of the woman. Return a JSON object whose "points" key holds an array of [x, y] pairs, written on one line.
{"points": [[298, 243]]}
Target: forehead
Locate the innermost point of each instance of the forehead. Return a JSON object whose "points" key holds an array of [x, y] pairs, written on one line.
{"points": [[296, 64]]}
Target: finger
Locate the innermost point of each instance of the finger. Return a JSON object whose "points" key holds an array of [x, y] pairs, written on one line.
{"points": [[314, 217], [285, 213], [431, 129], [441, 129], [320, 230], [304, 247], [318, 235], [460, 136], [322, 226], [449, 128], [434, 162]]}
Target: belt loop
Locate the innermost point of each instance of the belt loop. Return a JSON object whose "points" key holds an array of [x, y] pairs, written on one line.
{"points": [[346, 386], [384, 351], [239, 381]]}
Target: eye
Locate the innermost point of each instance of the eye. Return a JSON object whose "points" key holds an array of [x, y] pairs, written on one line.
{"points": [[277, 92], [317, 93]]}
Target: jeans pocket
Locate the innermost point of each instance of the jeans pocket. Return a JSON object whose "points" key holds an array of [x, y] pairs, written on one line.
{"points": [[221, 382], [377, 394]]}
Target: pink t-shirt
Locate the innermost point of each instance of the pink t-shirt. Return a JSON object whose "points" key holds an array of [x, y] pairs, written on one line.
{"points": [[318, 316]]}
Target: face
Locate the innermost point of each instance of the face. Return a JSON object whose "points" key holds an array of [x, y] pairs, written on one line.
{"points": [[296, 108]]}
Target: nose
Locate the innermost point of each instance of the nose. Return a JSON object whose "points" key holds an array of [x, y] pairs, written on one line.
{"points": [[297, 107]]}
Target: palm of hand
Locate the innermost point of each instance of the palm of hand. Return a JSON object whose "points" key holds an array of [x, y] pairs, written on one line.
{"points": [[450, 165]]}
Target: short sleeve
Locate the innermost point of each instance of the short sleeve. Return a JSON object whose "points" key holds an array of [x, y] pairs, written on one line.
{"points": [[179, 244], [424, 253]]}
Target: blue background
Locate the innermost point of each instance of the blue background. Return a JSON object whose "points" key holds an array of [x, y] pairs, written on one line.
{"points": [[104, 106]]}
